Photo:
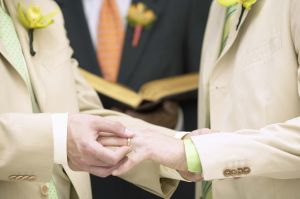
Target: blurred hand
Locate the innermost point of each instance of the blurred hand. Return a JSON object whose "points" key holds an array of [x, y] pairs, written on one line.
{"points": [[85, 153], [150, 145], [200, 132], [166, 115]]}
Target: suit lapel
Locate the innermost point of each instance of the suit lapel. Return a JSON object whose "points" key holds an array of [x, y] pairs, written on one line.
{"points": [[30, 61], [4, 53], [8, 58], [132, 55], [233, 35], [212, 41]]}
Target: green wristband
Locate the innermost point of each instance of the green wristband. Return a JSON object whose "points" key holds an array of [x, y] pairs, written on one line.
{"points": [[192, 157]]}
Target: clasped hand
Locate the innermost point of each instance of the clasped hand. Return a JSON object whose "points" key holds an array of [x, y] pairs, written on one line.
{"points": [[100, 147], [148, 144], [84, 151]]}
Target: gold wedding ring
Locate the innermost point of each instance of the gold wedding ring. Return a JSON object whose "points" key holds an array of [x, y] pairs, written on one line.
{"points": [[128, 141]]}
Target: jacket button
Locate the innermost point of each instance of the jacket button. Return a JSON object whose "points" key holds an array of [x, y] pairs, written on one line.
{"points": [[19, 178], [240, 171], [12, 177], [247, 170], [25, 177], [234, 172], [44, 190], [227, 172], [31, 178]]}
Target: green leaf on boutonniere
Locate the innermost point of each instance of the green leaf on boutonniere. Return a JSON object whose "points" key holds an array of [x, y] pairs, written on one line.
{"points": [[140, 17]]}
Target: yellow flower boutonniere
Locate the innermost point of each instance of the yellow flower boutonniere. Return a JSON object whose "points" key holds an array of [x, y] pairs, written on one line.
{"points": [[31, 18], [246, 4], [140, 17]]}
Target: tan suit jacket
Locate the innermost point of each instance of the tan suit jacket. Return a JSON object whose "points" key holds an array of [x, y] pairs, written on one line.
{"points": [[26, 140], [253, 85]]}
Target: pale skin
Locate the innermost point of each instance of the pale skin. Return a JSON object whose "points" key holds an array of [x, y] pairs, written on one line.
{"points": [[85, 153], [150, 145]]}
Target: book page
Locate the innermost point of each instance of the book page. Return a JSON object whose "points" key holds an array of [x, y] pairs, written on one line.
{"points": [[158, 89], [113, 90]]}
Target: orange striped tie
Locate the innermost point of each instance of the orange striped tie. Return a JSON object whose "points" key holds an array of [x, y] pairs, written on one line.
{"points": [[110, 40]]}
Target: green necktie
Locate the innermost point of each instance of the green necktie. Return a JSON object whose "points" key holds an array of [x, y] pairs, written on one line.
{"points": [[11, 43], [206, 185], [228, 25]]}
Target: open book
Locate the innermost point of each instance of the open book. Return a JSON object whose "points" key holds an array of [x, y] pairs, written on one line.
{"points": [[152, 93]]}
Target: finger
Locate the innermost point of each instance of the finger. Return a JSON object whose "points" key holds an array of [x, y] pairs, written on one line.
{"points": [[111, 157], [170, 107], [128, 165], [123, 168], [113, 141], [106, 134], [83, 164], [105, 125], [200, 132]]}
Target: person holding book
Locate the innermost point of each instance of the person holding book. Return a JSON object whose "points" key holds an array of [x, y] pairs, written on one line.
{"points": [[50, 118], [168, 46], [249, 94]]}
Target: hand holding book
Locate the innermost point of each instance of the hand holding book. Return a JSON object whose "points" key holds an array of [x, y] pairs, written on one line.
{"points": [[165, 115], [151, 94]]}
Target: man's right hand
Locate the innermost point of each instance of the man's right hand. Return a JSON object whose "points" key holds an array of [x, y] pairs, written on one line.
{"points": [[85, 153]]}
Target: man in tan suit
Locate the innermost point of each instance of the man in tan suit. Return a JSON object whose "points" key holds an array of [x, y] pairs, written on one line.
{"points": [[253, 85], [37, 146]]}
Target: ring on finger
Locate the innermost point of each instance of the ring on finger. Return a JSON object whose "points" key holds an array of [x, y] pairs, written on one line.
{"points": [[128, 141]]}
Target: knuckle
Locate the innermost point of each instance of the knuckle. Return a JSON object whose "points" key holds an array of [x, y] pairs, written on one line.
{"points": [[118, 126], [114, 160]]}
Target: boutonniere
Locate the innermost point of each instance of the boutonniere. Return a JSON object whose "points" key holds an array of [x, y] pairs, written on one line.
{"points": [[139, 17], [31, 18], [246, 5]]}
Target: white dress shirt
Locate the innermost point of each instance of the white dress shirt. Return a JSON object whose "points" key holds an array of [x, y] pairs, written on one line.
{"points": [[92, 10], [60, 129]]}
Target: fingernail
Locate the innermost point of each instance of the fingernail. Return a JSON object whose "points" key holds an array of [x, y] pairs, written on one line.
{"points": [[129, 133]]}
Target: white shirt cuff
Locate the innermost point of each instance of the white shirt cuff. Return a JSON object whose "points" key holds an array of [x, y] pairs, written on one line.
{"points": [[60, 129]]}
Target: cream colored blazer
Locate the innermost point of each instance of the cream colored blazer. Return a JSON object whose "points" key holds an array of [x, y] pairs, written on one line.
{"points": [[26, 149], [253, 85]]}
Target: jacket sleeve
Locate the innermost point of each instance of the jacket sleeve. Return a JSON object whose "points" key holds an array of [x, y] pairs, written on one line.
{"points": [[272, 151], [26, 149]]}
